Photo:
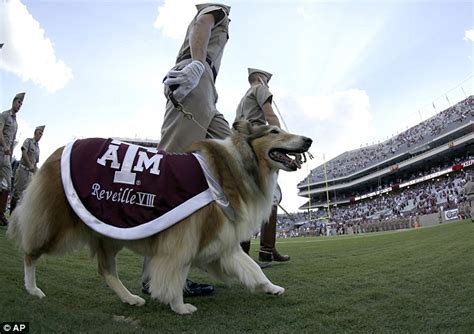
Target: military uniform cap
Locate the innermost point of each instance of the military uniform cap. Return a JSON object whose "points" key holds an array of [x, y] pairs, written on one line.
{"points": [[19, 96], [265, 73], [41, 127], [204, 5]]}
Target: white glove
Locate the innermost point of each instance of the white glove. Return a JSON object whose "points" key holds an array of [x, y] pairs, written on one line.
{"points": [[187, 79]]}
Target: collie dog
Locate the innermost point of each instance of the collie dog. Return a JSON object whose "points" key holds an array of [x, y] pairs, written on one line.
{"points": [[245, 165]]}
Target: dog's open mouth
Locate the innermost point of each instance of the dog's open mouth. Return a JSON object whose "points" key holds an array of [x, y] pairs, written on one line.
{"points": [[284, 157]]}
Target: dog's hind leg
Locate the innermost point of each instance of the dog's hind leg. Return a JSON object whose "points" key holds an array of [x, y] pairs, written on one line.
{"points": [[30, 276], [106, 254], [240, 266], [167, 282]]}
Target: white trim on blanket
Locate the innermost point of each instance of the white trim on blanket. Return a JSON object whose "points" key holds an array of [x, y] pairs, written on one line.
{"points": [[130, 233]]}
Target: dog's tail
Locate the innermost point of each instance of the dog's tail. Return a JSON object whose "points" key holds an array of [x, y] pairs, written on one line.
{"points": [[22, 227], [28, 226], [43, 222]]}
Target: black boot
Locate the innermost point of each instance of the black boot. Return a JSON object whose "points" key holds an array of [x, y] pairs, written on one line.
{"points": [[191, 289]]}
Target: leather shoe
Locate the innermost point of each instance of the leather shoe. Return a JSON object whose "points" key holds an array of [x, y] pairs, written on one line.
{"points": [[191, 289]]}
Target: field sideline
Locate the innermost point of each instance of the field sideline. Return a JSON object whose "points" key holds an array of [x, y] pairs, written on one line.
{"points": [[412, 281]]}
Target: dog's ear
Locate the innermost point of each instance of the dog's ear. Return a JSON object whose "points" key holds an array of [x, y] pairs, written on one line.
{"points": [[259, 131], [243, 127]]}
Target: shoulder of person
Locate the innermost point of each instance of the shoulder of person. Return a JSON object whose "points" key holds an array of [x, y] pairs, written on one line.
{"points": [[218, 12], [4, 116], [26, 143]]}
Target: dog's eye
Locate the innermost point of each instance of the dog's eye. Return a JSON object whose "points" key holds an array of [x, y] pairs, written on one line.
{"points": [[275, 131]]}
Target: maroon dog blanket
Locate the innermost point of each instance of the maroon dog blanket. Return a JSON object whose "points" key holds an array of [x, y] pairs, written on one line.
{"points": [[130, 192]]}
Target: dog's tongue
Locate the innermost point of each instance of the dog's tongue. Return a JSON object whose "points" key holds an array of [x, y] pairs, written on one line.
{"points": [[297, 161]]}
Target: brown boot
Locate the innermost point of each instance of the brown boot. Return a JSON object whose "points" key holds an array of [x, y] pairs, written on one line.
{"points": [[267, 237], [3, 206], [278, 257], [265, 256]]}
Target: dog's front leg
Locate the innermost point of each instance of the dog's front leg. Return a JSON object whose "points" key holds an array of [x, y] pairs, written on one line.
{"points": [[30, 276], [167, 281], [106, 254], [240, 266]]}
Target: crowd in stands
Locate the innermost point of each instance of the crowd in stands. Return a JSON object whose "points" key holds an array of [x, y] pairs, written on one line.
{"points": [[420, 173], [352, 161], [397, 209]]}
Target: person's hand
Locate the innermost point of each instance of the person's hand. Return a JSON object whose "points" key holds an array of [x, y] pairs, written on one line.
{"points": [[7, 151], [186, 79]]}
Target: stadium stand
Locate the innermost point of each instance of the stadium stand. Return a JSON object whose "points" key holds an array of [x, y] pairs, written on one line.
{"points": [[419, 138], [393, 184], [138, 141]]}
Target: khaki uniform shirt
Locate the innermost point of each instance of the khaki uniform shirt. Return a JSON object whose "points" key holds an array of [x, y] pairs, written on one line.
{"points": [[250, 107], [217, 41], [23, 173], [469, 190], [8, 126], [31, 147]]}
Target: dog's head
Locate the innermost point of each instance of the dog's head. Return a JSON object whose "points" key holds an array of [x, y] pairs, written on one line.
{"points": [[274, 145]]}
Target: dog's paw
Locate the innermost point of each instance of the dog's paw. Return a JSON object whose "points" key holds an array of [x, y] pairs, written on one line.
{"points": [[184, 308], [36, 292], [135, 300], [274, 290]]}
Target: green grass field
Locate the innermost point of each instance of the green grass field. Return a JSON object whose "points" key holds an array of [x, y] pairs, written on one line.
{"points": [[410, 281]]}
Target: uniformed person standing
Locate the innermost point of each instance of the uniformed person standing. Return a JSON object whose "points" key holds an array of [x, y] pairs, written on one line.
{"points": [[192, 82], [469, 192], [8, 129], [28, 165], [195, 72], [256, 107]]}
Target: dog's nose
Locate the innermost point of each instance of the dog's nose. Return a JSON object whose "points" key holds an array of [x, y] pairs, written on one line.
{"points": [[307, 140]]}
